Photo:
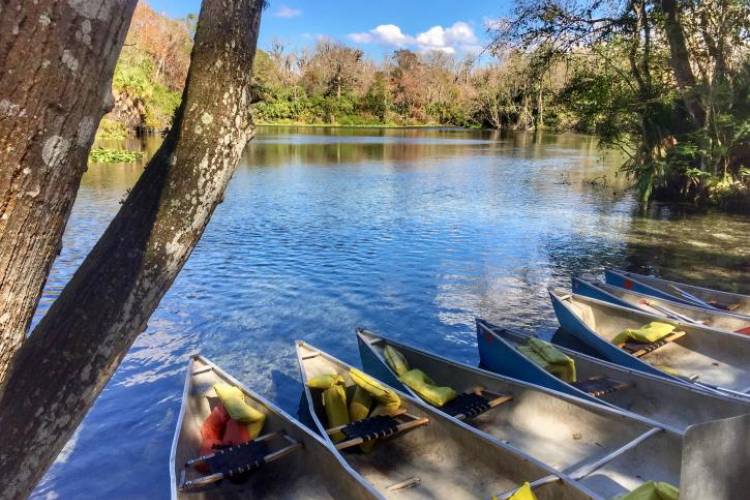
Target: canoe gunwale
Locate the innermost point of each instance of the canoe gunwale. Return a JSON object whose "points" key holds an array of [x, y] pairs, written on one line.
{"points": [[178, 426]]}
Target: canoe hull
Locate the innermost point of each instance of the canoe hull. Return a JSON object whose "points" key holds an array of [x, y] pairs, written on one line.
{"points": [[312, 472], [712, 359], [447, 458], [574, 325], [631, 283], [674, 405], [715, 300], [720, 320]]}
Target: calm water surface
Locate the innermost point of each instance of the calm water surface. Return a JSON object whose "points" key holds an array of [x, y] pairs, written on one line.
{"points": [[412, 233]]}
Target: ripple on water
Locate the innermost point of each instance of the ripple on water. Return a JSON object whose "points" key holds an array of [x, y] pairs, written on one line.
{"points": [[410, 233]]}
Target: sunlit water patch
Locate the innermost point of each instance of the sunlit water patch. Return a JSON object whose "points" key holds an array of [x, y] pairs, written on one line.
{"points": [[412, 233]]}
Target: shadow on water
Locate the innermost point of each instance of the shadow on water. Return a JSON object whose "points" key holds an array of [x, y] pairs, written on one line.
{"points": [[411, 233]]}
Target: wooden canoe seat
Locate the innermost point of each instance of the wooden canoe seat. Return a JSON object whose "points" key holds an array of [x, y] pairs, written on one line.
{"points": [[639, 349], [474, 403], [235, 463], [600, 386], [379, 427]]}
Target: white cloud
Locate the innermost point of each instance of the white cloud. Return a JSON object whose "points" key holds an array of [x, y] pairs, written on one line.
{"points": [[459, 37], [287, 12], [385, 34]]}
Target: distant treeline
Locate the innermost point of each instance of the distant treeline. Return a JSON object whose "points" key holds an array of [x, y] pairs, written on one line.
{"points": [[332, 83]]}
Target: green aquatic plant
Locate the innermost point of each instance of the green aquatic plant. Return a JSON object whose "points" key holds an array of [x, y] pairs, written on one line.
{"points": [[107, 155]]}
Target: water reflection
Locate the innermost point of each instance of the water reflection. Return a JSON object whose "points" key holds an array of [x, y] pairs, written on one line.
{"points": [[412, 233]]}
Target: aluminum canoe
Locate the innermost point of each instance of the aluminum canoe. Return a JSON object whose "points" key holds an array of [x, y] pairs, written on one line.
{"points": [[680, 292], [710, 358], [674, 405], [711, 318], [443, 458], [309, 471], [608, 450]]}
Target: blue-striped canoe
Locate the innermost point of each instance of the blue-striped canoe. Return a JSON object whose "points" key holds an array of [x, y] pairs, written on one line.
{"points": [[680, 292], [673, 404], [712, 318], [707, 357]]}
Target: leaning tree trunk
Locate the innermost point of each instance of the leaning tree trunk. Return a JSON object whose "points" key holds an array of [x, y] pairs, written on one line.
{"points": [[56, 65], [679, 60], [74, 350]]}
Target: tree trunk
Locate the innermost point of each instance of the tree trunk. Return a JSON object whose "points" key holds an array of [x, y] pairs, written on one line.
{"points": [[57, 61], [679, 60], [74, 350]]}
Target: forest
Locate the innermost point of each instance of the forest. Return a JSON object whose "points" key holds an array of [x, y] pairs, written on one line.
{"points": [[664, 82]]}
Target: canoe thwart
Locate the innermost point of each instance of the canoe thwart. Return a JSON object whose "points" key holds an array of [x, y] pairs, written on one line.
{"points": [[639, 350], [236, 462], [592, 467], [600, 386], [407, 483], [379, 427], [200, 371]]}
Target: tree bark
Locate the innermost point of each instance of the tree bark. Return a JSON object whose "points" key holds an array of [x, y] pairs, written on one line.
{"points": [[56, 65], [74, 350], [679, 60]]}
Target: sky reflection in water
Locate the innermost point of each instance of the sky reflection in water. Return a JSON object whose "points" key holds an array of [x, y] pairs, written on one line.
{"points": [[411, 233]]}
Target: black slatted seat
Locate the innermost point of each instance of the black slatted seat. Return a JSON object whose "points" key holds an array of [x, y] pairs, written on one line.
{"points": [[467, 404], [599, 386], [371, 428], [237, 461]]}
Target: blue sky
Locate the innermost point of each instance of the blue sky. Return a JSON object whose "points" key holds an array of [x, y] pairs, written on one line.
{"points": [[378, 27]]}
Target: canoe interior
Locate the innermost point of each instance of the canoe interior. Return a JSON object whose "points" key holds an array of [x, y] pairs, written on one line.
{"points": [[714, 357], [737, 303], [562, 432], [449, 460], [714, 319], [312, 472], [675, 405]]}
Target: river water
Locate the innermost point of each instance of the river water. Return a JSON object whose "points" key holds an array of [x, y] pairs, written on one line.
{"points": [[411, 233]]}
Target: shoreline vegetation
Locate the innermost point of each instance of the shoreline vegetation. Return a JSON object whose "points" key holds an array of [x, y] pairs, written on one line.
{"points": [[667, 87]]}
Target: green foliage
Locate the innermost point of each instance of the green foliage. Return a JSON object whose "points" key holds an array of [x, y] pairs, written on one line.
{"points": [[136, 78], [106, 155], [665, 82], [110, 130]]}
